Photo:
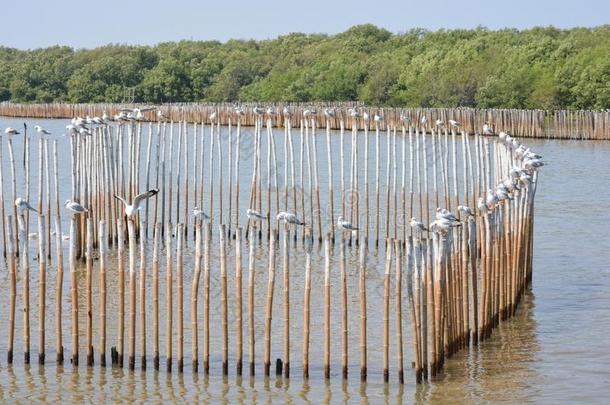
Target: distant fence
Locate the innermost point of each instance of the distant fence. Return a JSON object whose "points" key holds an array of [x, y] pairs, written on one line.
{"points": [[560, 124]]}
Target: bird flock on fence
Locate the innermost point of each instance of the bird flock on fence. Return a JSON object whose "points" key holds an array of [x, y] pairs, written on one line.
{"points": [[466, 269]]}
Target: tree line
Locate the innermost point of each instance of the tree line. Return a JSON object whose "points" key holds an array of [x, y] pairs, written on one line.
{"points": [[538, 68]]}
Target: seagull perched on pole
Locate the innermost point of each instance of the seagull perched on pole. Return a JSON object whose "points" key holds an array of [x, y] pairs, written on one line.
{"points": [[482, 206], [11, 131], [345, 225], [255, 215], [75, 207], [446, 215], [454, 123], [258, 110], [329, 113], [199, 214], [418, 226], [134, 207], [286, 112], [22, 205], [289, 218], [466, 210], [491, 199], [487, 129], [377, 118], [41, 131], [440, 123], [423, 120]]}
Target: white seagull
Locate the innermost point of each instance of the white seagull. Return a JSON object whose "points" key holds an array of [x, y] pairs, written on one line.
{"points": [[329, 113], [454, 123], [418, 226], [131, 210], [482, 206], [345, 225], [199, 214], [75, 207], [11, 131], [487, 129], [491, 199], [466, 210], [41, 131], [440, 123], [22, 205], [255, 215], [423, 120], [289, 218], [377, 118], [258, 110]]}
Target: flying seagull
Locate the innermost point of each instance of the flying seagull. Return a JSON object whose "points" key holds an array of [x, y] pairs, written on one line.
{"points": [[131, 210]]}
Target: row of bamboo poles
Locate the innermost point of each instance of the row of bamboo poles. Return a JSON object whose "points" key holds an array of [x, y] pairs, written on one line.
{"points": [[461, 281], [556, 124]]}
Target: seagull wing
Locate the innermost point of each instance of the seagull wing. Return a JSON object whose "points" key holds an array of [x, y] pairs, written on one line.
{"points": [[144, 196], [121, 199]]}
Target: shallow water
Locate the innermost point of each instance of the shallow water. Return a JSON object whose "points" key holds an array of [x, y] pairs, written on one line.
{"points": [[555, 349]]}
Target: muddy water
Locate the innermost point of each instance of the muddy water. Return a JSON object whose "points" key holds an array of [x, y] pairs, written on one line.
{"points": [[555, 349]]}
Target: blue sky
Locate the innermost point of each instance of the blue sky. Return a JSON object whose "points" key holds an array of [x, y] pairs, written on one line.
{"points": [[40, 23]]}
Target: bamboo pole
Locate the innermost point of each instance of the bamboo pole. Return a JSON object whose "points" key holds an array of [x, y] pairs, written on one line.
{"points": [[251, 274], [286, 273], [238, 302], [25, 269], [121, 288], [155, 271], [88, 292], [386, 311], [223, 301], [74, 290], [268, 311], [362, 284], [398, 295], [169, 283], [207, 237], [195, 298], [344, 304], [306, 312], [103, 240], [132, 293], [180, 293], [13, 281], [42, 287]]}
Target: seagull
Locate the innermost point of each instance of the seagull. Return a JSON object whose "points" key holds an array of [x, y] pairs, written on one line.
{"points": [[442, 225], [254, 215], [239, 111], [106, 118], [309, 113], [131, 210], [353, 113], [329, 113], [345, 225], [286, 112], [415, 224], [199, 214], [454, 123], [491, 199], [440, 123], [75, 207], [289, 218], [378, 118], [271, 111], [466, 210], [160, 115], [98, 121], [405, 119], [213, 116], [446, 214], [365, 116], [258, 110], [23, 205], [482, 206], [487, 129], [525, 178], [41, 131], [84, 131], [11, 131], [71, 130], [423, 120], [531, 164], [502, 193]]}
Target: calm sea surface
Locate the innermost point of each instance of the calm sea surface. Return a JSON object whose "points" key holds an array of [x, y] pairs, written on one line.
{"points": [[556, 349]]}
